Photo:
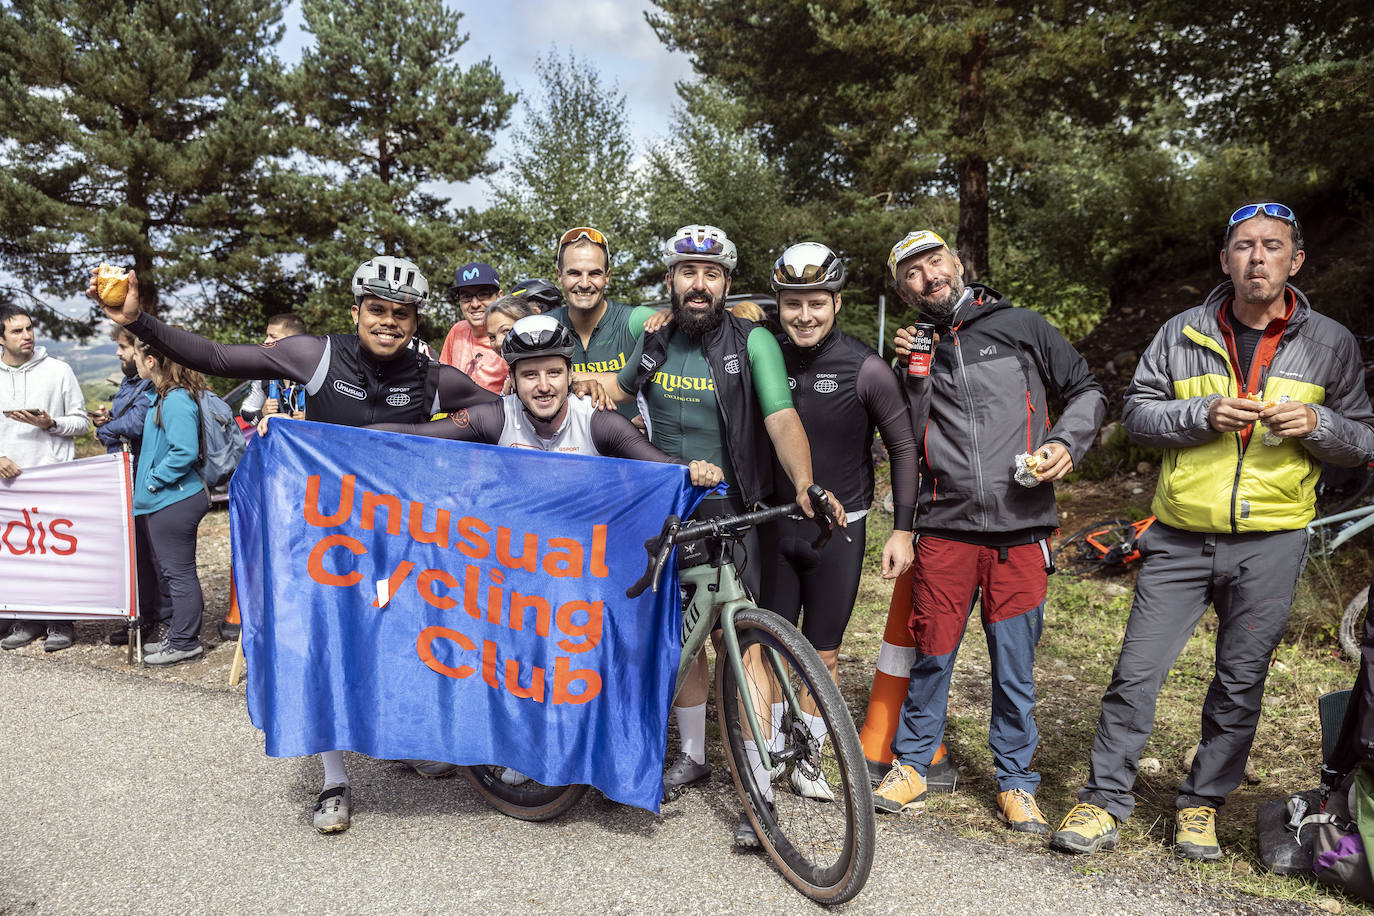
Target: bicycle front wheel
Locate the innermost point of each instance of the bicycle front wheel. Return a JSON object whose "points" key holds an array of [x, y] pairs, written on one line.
{"points": [[528, 800], [1351, 631], [823, 847]]}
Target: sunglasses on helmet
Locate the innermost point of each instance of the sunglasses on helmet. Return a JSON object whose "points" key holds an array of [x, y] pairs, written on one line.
{"points": [[704, 245]]}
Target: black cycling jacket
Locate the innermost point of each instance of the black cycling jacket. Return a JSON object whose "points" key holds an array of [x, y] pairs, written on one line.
{"points": [[842, 390], [344, 383]]}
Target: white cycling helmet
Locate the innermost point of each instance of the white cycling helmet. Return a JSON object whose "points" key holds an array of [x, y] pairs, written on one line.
{"points": [[808, 265], [700, 243], [390, 278]]}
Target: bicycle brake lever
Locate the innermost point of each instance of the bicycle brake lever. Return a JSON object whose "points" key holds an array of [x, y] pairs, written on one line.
{"points": [[658, 549], [824, 517]]}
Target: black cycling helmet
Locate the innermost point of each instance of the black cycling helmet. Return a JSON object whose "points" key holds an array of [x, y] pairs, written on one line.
{"points": [[537, 335], [542, 292]]}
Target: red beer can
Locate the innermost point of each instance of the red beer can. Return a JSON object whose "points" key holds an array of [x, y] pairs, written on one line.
{"points": [[922, 349]]}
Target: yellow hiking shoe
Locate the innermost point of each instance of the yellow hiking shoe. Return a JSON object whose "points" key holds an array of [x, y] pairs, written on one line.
{"points": [[1195, 834], [1087, 828], [1018, 809], [900, 789]]}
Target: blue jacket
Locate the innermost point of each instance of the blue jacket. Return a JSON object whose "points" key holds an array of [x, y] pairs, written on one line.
{"points": [[166, 462], [127, 411]]}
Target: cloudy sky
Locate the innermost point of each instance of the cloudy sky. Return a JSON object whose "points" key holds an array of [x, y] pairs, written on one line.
{"points": [[611, 34]]}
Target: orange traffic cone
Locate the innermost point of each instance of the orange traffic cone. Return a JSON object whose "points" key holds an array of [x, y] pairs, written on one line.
{"points": [[229, 626], [890, 682]]}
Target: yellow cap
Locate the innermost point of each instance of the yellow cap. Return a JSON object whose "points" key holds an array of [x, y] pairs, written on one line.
{"points": [[913, 244]]}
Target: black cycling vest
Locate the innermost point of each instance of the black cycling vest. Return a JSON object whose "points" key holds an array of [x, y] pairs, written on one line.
{"points": [[825, 380], [359, 391]]}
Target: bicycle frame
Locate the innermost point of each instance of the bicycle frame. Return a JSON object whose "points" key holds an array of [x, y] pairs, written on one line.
{"points": [[1365, 513], [721, 587]]}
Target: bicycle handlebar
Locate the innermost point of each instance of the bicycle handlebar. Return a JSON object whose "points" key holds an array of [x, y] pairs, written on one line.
{"points": [[674, 532]]}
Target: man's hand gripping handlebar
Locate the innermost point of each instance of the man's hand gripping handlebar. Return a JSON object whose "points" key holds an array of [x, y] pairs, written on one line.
{"points": [[674, 532]]}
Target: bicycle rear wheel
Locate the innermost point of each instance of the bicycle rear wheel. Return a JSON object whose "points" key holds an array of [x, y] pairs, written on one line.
{"points": [[1075, 556], [1351, 632], [824, 848], [529, 800]]}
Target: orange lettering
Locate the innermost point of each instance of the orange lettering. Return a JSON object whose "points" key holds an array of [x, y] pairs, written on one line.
{"points": [[394, 583], [425, 648], [426, 586], [312, 502], [474, 544], [589, 631], [438, 536], [564, 558], [536, 689], [369, 511], [563, 679], [518, 604], [528, 556], [315, 565]]}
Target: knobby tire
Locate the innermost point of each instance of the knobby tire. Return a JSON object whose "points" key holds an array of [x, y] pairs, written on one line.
{"points": [[824, 849], [529, 801]]}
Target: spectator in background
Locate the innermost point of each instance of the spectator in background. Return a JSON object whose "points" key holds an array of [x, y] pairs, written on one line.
{"points": [[504, 313], [260, 401], [43, 413], [467, 346], [170, 499], [119, 427]]}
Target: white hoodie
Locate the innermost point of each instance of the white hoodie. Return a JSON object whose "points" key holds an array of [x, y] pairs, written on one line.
{"points": [[44, 383]]}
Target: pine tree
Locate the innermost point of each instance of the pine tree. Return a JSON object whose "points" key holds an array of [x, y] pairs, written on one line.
{"points": [[135, 134], [383, 112], [571, 165]]}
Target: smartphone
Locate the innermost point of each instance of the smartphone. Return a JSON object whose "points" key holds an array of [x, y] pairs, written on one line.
{"points": [[23, 410]]}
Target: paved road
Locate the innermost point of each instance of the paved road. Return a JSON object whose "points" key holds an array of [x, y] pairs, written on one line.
{"points": [[127, 794]]}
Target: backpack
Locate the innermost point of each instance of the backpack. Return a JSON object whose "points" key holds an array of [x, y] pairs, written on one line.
{"points": [[1339, 834], [221, 439]]}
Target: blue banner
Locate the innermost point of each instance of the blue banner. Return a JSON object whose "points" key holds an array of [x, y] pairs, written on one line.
{"points": [[405, 597]]}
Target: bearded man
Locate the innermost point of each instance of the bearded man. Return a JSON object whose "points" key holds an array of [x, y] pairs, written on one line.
{"points": [[982, 528], [714, 387]]}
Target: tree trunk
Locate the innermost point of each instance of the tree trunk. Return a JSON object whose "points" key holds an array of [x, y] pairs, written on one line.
{"points": [[972, 166]]}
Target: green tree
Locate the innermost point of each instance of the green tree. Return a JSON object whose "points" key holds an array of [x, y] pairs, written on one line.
{"points": [[571, 164], [903, 99], [383, 113], [713, 171], [135, 136]]}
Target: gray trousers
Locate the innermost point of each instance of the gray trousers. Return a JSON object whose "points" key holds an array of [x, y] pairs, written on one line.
{"points": [[1250, 579]]}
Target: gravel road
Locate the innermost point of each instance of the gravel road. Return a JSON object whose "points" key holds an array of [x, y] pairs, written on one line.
{"points": [[127, 793]]}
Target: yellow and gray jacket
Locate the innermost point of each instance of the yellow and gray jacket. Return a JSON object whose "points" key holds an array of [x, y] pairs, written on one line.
{"points": [[1234, 483]]}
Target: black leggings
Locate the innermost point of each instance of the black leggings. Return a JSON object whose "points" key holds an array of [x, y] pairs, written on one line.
{"points": [[825, 583], [171, 538]]}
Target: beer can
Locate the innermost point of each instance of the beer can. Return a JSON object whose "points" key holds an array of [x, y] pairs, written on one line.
{"points": [[922, 350]]}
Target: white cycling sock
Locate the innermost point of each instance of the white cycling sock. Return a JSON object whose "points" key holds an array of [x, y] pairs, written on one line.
{"points": [[334, 768], [691, 729], [815, 725], [761, 776], [777, 739]]}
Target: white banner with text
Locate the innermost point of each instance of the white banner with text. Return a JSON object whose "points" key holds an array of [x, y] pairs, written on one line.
{"points": [[67, 541]]}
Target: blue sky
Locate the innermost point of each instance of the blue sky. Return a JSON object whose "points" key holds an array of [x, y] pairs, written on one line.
{"points": [[610, 34]]}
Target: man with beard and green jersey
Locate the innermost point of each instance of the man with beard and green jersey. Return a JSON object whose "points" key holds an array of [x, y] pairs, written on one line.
{"points": [[714, 386]]}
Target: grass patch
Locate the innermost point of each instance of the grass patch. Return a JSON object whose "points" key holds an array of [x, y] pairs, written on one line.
{"points": [[1085, 619]]}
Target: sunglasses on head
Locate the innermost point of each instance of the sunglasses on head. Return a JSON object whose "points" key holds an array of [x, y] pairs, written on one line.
{"points": [[699, 246], [1277, 211], [583, 232]]}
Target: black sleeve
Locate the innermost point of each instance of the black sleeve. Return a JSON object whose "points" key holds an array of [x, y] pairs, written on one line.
{"points": [[881, 395], [479, 423], [457, 390], [295, 358], [617, 437], [1067, 375]]}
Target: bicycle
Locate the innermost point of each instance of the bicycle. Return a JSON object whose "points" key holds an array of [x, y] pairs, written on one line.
{"points": [[1111, 544], [823, 848], [1337, 491]]}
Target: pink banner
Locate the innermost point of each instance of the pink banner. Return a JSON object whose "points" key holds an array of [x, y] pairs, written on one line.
{"points": [[67, 541]]}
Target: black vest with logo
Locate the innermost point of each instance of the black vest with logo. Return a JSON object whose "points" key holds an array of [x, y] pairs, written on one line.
{"points": [[359, 391]]}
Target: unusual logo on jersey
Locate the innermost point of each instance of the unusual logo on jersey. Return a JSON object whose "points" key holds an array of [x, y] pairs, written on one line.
{"points": [[732, 364], [791, 383], [461, 419], [398, 400], [826, 386], [349, 391]]}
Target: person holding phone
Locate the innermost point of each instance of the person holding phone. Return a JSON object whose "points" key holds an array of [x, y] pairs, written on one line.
{"points": [[43, 413]]}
